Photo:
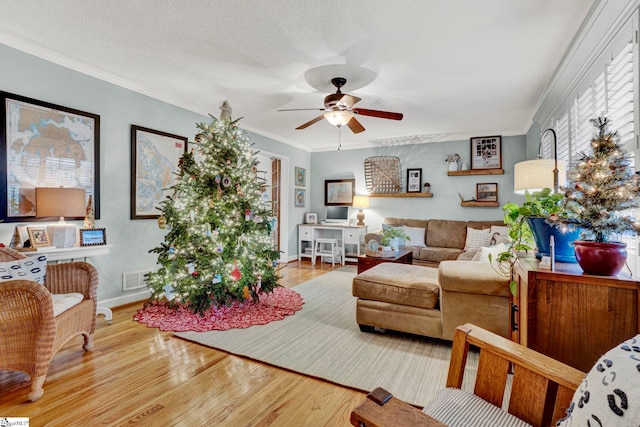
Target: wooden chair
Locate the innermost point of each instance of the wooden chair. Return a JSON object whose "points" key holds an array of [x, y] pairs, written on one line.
{"points": [[541, 390], [30, 335]]}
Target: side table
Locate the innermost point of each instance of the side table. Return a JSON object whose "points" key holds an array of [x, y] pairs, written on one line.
{"points": [[403, 256]]}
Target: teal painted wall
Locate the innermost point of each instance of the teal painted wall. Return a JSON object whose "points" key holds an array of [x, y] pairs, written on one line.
{"points": [[119, 108]]}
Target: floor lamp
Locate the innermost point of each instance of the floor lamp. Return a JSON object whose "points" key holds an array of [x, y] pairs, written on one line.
{"points": [[534, 175], [61, 202]]}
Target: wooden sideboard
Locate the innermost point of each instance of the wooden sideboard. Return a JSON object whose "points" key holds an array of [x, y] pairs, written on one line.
{"points": [[571, 316]]}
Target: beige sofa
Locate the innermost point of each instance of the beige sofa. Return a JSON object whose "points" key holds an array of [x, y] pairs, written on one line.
{"points": [[443, 289], [444, 239]]}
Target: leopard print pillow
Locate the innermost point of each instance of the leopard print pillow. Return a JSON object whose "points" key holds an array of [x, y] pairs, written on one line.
{"points": [[610, 393]]}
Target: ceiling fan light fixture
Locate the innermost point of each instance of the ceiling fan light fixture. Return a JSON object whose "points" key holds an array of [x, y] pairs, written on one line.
{"points": [[338, 118]]}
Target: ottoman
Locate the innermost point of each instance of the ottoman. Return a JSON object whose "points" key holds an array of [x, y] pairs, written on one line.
{"points": [[399, 297]]}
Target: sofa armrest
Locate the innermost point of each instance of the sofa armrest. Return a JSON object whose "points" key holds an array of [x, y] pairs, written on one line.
{"points": [[68, 277], [473, 277]]}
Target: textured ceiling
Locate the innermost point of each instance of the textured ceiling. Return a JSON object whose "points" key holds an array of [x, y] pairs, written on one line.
{"points": [[455, 68]]}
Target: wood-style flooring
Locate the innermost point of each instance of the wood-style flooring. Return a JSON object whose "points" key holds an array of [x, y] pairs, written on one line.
{"points": [[140, 376]]}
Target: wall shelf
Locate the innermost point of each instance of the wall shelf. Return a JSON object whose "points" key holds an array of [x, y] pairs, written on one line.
{"points": [[475, 204], [476, 172], [400, 194]]}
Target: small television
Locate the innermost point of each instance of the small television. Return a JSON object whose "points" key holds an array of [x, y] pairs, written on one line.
{"points": [[337, 214]]}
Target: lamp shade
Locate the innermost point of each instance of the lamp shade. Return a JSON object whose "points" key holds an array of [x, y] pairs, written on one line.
{"points": [[534, 175], [338, 118], [60, 202], [360, 202]]}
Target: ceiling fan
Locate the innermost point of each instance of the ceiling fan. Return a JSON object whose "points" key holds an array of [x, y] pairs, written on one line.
{"points": [[338, 110]]}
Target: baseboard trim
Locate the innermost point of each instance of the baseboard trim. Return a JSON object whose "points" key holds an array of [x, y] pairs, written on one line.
{"points": [[124, 299]]}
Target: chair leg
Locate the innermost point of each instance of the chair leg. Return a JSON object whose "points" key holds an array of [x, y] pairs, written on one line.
{"points": [[88, 342], [36, 388]]}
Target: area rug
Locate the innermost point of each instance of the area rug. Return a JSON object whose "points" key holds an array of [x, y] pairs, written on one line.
{"points": [[323, 340], [274, 306]]}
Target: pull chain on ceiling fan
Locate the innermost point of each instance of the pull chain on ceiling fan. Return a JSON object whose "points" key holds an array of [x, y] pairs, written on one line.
{"points": [[338, 110]]}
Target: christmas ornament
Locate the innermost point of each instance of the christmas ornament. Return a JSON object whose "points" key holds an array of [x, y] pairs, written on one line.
{"points": [[168, 292], [225, 110], [245, 292], [239, 190], [162, 222], [247, 214], [217, 279], [235, 274], [195, 274], [226, 181], [219, 249]]}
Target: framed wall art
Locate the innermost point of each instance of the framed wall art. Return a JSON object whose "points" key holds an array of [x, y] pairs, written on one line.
{"points": [[311, 218], [339, 192], [487, 192], [45, 145], [414, 180], [486, 152], [299, 198], [301, 176], [154, 161]]}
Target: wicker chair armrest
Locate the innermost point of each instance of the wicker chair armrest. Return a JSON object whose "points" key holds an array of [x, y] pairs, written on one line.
{"points": [[80, 277]]}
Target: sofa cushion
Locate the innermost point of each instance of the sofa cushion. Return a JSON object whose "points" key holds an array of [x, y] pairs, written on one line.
{"points": [[442, 233], [472, 277], [31, 268], [436, 254], [477, 238], [610, 393], [403, 284], [459, 408], [416, 236]]}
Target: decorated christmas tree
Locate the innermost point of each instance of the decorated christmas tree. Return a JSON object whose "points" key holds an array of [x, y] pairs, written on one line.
{"points": [[218, 248], [602, 188]]}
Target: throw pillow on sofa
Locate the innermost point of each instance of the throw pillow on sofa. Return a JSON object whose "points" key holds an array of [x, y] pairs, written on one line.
{"points": [[416, 236], [477, 239], [31, 268], [485, 251]]}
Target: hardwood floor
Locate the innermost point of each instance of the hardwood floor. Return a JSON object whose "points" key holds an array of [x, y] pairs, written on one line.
{"points": [[140, 376]]}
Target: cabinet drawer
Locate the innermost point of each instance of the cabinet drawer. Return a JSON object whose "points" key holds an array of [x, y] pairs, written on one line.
{"points": [[351, 238], [305, 233]]}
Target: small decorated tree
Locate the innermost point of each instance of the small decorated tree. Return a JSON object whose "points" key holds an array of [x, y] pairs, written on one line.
{"points": [[218, 248], [601, 187]]}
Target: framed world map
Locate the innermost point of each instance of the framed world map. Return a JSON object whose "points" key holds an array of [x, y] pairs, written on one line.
{"points": [[45, 145]]}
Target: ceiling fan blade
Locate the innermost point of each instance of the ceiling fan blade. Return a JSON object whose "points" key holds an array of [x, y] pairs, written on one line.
{"points": [[355, 125], [378, 113], [310, 122], [303, 109], [349, 100]]}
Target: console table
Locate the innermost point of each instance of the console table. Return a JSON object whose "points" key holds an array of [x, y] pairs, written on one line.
{"points": [[571, 316], [77, 252], [349, 235]]}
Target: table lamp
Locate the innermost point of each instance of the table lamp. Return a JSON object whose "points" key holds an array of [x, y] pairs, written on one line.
{"points": [[60, 202], [360, 202]]}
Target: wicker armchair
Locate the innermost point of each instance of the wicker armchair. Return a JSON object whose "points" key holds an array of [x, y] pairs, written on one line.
{"points": [[30, 335]]}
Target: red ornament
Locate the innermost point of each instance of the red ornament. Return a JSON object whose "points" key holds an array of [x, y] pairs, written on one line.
{"points": [[195, 274], [235, 274]]}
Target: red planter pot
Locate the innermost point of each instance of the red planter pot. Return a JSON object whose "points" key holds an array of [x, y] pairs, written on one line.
{"points": [[601, 259]]}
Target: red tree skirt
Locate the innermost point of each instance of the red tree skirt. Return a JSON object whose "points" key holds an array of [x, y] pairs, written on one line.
{"points": [[273, 306]]}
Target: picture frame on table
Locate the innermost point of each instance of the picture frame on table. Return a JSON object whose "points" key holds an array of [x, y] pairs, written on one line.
{"points": [[60, 145], [93, 236], [154, 163], [311, 218], [486, 152], [301, 176], [38, 237], [487, 192], [414, 180], [299, 198], [339, 192]]}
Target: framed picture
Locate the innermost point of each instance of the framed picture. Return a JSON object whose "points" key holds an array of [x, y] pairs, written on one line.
{"points": [[339, 192], [486, 152], [301, 177], [45, 145], [154, 161], [414, 180], [38, 237], [93, 236], [487, 192], [299, 198], [311, 218]]}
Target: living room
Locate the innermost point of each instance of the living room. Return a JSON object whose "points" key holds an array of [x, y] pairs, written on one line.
{"points": [[34, 72]]}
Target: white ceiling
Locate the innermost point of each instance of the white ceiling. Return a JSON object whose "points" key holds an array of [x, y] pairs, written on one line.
{"points": [[455, 68]]}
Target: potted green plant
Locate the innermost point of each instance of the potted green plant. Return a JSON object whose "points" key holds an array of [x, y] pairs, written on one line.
{"points": [[537, 208], [602, 185], [391, 237]]}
